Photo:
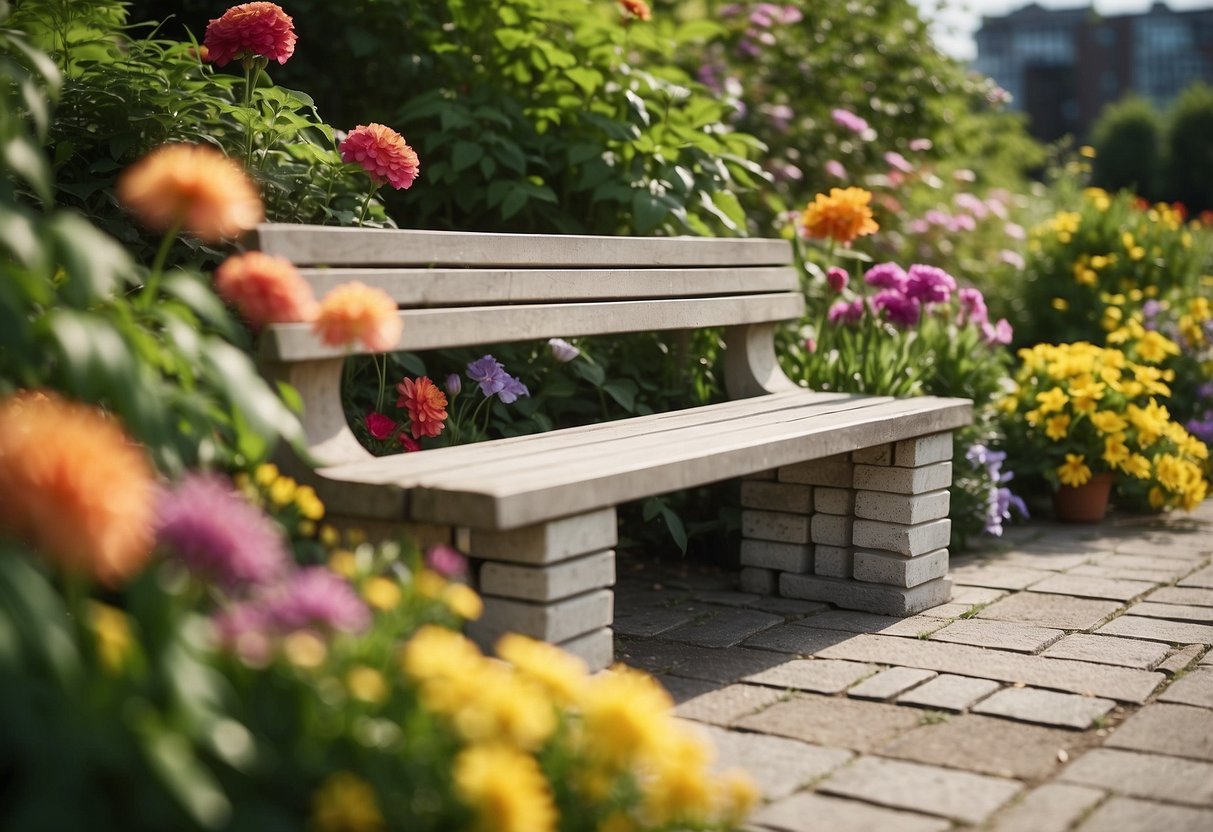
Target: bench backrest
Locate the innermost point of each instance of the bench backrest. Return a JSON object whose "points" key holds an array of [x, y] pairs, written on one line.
{"points": [[458, 289]]}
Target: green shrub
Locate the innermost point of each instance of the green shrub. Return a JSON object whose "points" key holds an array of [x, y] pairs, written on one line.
{"points": [[1128, 148], [1190, 149]]}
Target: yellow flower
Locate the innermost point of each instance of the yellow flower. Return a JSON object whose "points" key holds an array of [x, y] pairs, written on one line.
{"points": [[842, 216], [1137, 466], [1060, 304], [503, 707], [1105, 421], [382, 593], [1200, 308], [282, 491], [1051, 400], [264, 475], [344, 563], [1088, 152], [563, 675], [1074, 471], [429, 584], [436, 652], [463, 601], [680, 787], [1086, 395], [309, 504], [113, 632], [739, 795], [506, 790], [367, 684], [1057, 427], [346, 803], [329, 536], [1154, 347], [626, 716], [1115, 449], [304, 650], [1157, 498]]}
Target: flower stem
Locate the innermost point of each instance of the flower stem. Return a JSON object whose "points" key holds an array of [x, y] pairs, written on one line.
{"points": [[250, 76], [382, 372], [366, 203], [148, 295]]}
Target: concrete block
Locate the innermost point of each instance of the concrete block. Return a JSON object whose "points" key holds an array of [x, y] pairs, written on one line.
{"points": [[554, 622], [549, 583], [834, 500], [833, 471], [596, 648], [547, 542], [923, 450], [902, 508], [759, 581], [782, 557], [900, 538], [769, 474], [903, 480], [879, 455], [777, 496], [856, 595], [832, 561], [775, 525], [883, 568], [832, 529]]}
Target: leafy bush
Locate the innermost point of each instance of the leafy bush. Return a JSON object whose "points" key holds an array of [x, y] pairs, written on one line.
{"points": [[1190, 157], [1128, 148]]}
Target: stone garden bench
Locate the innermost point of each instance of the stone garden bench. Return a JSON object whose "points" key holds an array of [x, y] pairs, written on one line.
{"points": [[845, 497]]}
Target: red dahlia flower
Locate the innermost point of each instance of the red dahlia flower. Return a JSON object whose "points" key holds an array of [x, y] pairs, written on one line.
{"points": [[251, 29], [426, 405], [383, 153]]}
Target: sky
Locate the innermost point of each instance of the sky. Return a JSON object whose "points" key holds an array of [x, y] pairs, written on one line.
{"points": [[955, 21]]}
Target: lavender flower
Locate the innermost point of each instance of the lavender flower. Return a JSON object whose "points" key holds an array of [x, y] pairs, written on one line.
{"points": [[512, 390], [899, 309], [998, 333], [849, 120], [886, 276], [219, 535], [898, 162], [489, 373], [928, 284], [920, 144], [835, 169], [972, 308], [453, 385], [315, 598], [1000, 501], [562, 350], [446, 561], [1012, 258]]}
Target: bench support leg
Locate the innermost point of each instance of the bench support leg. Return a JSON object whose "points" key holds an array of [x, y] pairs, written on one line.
{"points": [[866, 531], [551, 581]]}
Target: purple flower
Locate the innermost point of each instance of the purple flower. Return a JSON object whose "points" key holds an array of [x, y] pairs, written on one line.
{"points": [[849, 120], [972, 203], [936, 217], [453, 385], [837, 278], [843, 312], [920, 144], [1011, 258], [315, 598], [998, 333], [972, 308], [791, 15], [834, 168], [929, 284], [899, 309], [886, 276], [219, 535], [245, 629], [898, 162], [512, 390], [562, 350], [489, 373], [962, 222], [446, 561]]}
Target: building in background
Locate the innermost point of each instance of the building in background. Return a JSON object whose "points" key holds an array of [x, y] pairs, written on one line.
{"points": [[1062, 66]]}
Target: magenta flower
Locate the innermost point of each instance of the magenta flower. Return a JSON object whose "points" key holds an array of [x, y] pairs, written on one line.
{"points": [[315, 599], [834, 168], [380, 426], [886, 276], [846, 312], [245, 629], [898, 309], [446, 561], [849, 120], [219, 535], [898, 162], [810, 345], [972, 308], [837, 278], [920, 144], [998, 333], [929, 284]]}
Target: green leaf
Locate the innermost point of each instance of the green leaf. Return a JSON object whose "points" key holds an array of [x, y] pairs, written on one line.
{"points": [[96, 264], [513, 202], [465, 154], [623, 391], [677, 530], [24, 157], [647, 211]]}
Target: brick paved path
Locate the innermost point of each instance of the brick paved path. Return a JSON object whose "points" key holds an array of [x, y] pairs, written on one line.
{"points": [[1068, 685]]}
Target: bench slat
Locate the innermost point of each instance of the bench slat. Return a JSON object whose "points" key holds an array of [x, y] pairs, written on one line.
{"points": [[306, 245], [426, 329], [443, 287]]}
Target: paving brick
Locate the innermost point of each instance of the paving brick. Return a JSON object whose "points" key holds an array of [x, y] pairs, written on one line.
{"points": [[782, 557], [1173, 612], [1154, 576], [923, 450], [810, 812], [791, 638], [988, 745], [896, 570], [723, 629], [1124, 814], [999, 635], [1120, 683], [688, 661], [832, 561], [725, 597], [644, 623], [817, 675], [723, 706], [833, 721], [949, 693], [1056, 611], [1125, 652], [900, 508], [777, 496], [1052, 807], [998, 577], [682, 689], [903, 480], [1048, 560], [1177, 730], [898, 537], [1142, 563], [548, 542], [1157, 629], [775, 525], [834, 500], [856, 595], [757, 581], [832, 529], [1191, 595], [949, 610], [1046, 707], [1203, 578], [888, 683], [1181, 658], [1086, 587], [833, 472], [778, 765], [976, 594], [547, 583], [865, 622], [960, 795], [787, 607], [1196, 688], [558, 621], [878, 455], [1144, 775]]}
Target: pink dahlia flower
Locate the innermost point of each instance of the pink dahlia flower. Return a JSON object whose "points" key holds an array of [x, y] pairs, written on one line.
{"points": [[837, 278], [383, 153], [250, 29]]}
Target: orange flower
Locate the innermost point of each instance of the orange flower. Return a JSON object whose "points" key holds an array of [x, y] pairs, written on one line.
{"points": [[383, 153], [426, 405], [638, 9], [266, 289], [356, 312], [75, 487], [251, 29], [195, 186], [842, 216]]}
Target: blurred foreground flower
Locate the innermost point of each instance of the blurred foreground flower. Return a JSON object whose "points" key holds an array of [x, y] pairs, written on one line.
{"points": [[194, 188], [842, 216], [356, 312], [75, 487], [260, 30], [638, 9], [383, 153], [266, 289]]}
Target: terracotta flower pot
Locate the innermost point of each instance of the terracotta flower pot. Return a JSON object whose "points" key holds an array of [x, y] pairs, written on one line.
{"points": [[1084, 504]]}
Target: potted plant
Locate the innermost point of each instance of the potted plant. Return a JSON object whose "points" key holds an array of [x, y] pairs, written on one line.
{"points": [[1088, 418]]}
